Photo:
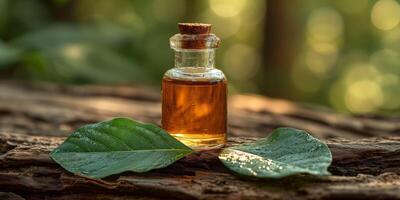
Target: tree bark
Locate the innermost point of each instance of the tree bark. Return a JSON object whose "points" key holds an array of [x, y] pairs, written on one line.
{"points": [[27, 171], [34, 119], [283, 34], [42, 109]]}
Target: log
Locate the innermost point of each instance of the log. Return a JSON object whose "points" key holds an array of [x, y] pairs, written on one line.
{"points": [[42, 109], [35, 118], [366, 167]]}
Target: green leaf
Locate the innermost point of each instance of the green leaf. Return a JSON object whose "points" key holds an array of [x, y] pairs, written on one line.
{"points": [[57, 36], [287, 151], [81, 54], [118, 145], [8, 55]]}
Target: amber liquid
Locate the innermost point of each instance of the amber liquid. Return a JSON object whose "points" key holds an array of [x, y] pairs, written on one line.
{"points": [[195, 112]]}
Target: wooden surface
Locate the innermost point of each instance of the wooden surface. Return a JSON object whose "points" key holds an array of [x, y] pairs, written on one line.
{"points": [[35, 118]]}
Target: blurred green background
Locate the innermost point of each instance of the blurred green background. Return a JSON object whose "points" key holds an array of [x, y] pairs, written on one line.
{"points": [[338, 53]]}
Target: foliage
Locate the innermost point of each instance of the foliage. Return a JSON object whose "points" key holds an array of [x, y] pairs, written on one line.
{"points": [[118, 145], [121, 144], [285, 152]]}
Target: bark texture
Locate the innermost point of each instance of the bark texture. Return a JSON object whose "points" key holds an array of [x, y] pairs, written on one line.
{"points": [[34, 119]]}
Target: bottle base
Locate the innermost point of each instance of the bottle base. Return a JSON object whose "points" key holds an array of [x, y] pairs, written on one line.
{"points": [[201, 142]]}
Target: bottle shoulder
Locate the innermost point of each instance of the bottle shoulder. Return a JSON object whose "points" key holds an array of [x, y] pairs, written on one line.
{"points": [[195, 74]]}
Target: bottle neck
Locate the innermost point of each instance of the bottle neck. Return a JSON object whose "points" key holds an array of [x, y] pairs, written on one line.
{"points": [[194, 58]]}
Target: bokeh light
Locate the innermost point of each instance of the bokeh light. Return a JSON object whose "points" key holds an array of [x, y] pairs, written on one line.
{"points": [[364, 96], [319, 63], [73, 51], [325, 24], [385, 14], [360, 72], [227, 9], [223, 26]]}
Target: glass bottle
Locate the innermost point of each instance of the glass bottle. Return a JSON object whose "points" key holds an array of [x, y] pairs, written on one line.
{"points": [[194, 93]]}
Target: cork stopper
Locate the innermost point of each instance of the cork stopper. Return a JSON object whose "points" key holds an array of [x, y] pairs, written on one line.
{"points": [[194, 36], [194, 28]]}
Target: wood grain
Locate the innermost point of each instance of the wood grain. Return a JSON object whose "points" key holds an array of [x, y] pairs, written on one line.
{"points": [[35, 118], [42, 109], [27, 171]]}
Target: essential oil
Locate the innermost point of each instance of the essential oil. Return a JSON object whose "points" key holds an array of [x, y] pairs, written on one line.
{"points": [[194, 92]]}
